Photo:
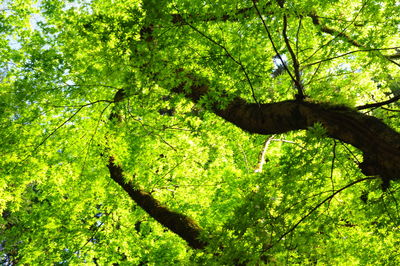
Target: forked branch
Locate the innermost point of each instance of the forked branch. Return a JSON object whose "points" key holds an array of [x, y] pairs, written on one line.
{"points": [[296, 65], [273, 43]]}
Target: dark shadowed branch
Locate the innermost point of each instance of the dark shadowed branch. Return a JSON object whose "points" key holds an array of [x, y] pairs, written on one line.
{"points": [[180, 224], [379, 143], [376, 105]]}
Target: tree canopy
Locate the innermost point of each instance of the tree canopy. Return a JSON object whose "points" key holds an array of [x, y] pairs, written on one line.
{"points": [[188, 132]]}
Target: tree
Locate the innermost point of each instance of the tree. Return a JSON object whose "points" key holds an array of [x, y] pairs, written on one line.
{"points": [[210, 132]]}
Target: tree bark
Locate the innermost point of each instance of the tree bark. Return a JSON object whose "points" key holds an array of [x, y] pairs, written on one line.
{"points": [[178, 223], [379, 143]]}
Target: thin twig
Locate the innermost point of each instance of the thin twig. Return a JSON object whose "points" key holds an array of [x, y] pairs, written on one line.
{"points": [[78, 106], [333, 32], [89, 143], [181, 186], [395, 201], [321, 203], [90, 85], [167, 173], [337, 35], [261, 158], [55, 130], [238, 62], [351, 52], [376, 105], [297, 37], [390, 110], [289, 141], [344, 20], [333, 164], [272, 42], [351, 153], [346, 37], [314, 74], [97, 229], [152, 132], [328, 76], [302, 201], [296, 66]]}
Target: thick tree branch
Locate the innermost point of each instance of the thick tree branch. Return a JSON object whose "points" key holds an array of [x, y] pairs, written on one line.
{"points": [[178, 223], [379, 143]]}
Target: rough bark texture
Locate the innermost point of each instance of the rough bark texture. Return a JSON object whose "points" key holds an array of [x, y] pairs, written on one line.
{"points": [[178, 223], [379, 143]]}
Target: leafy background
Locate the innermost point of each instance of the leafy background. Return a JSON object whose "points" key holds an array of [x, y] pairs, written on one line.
{"points": [[62, 63]]}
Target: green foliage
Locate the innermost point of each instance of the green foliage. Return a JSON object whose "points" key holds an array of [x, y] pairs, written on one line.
{"points": [[62, 63]]}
